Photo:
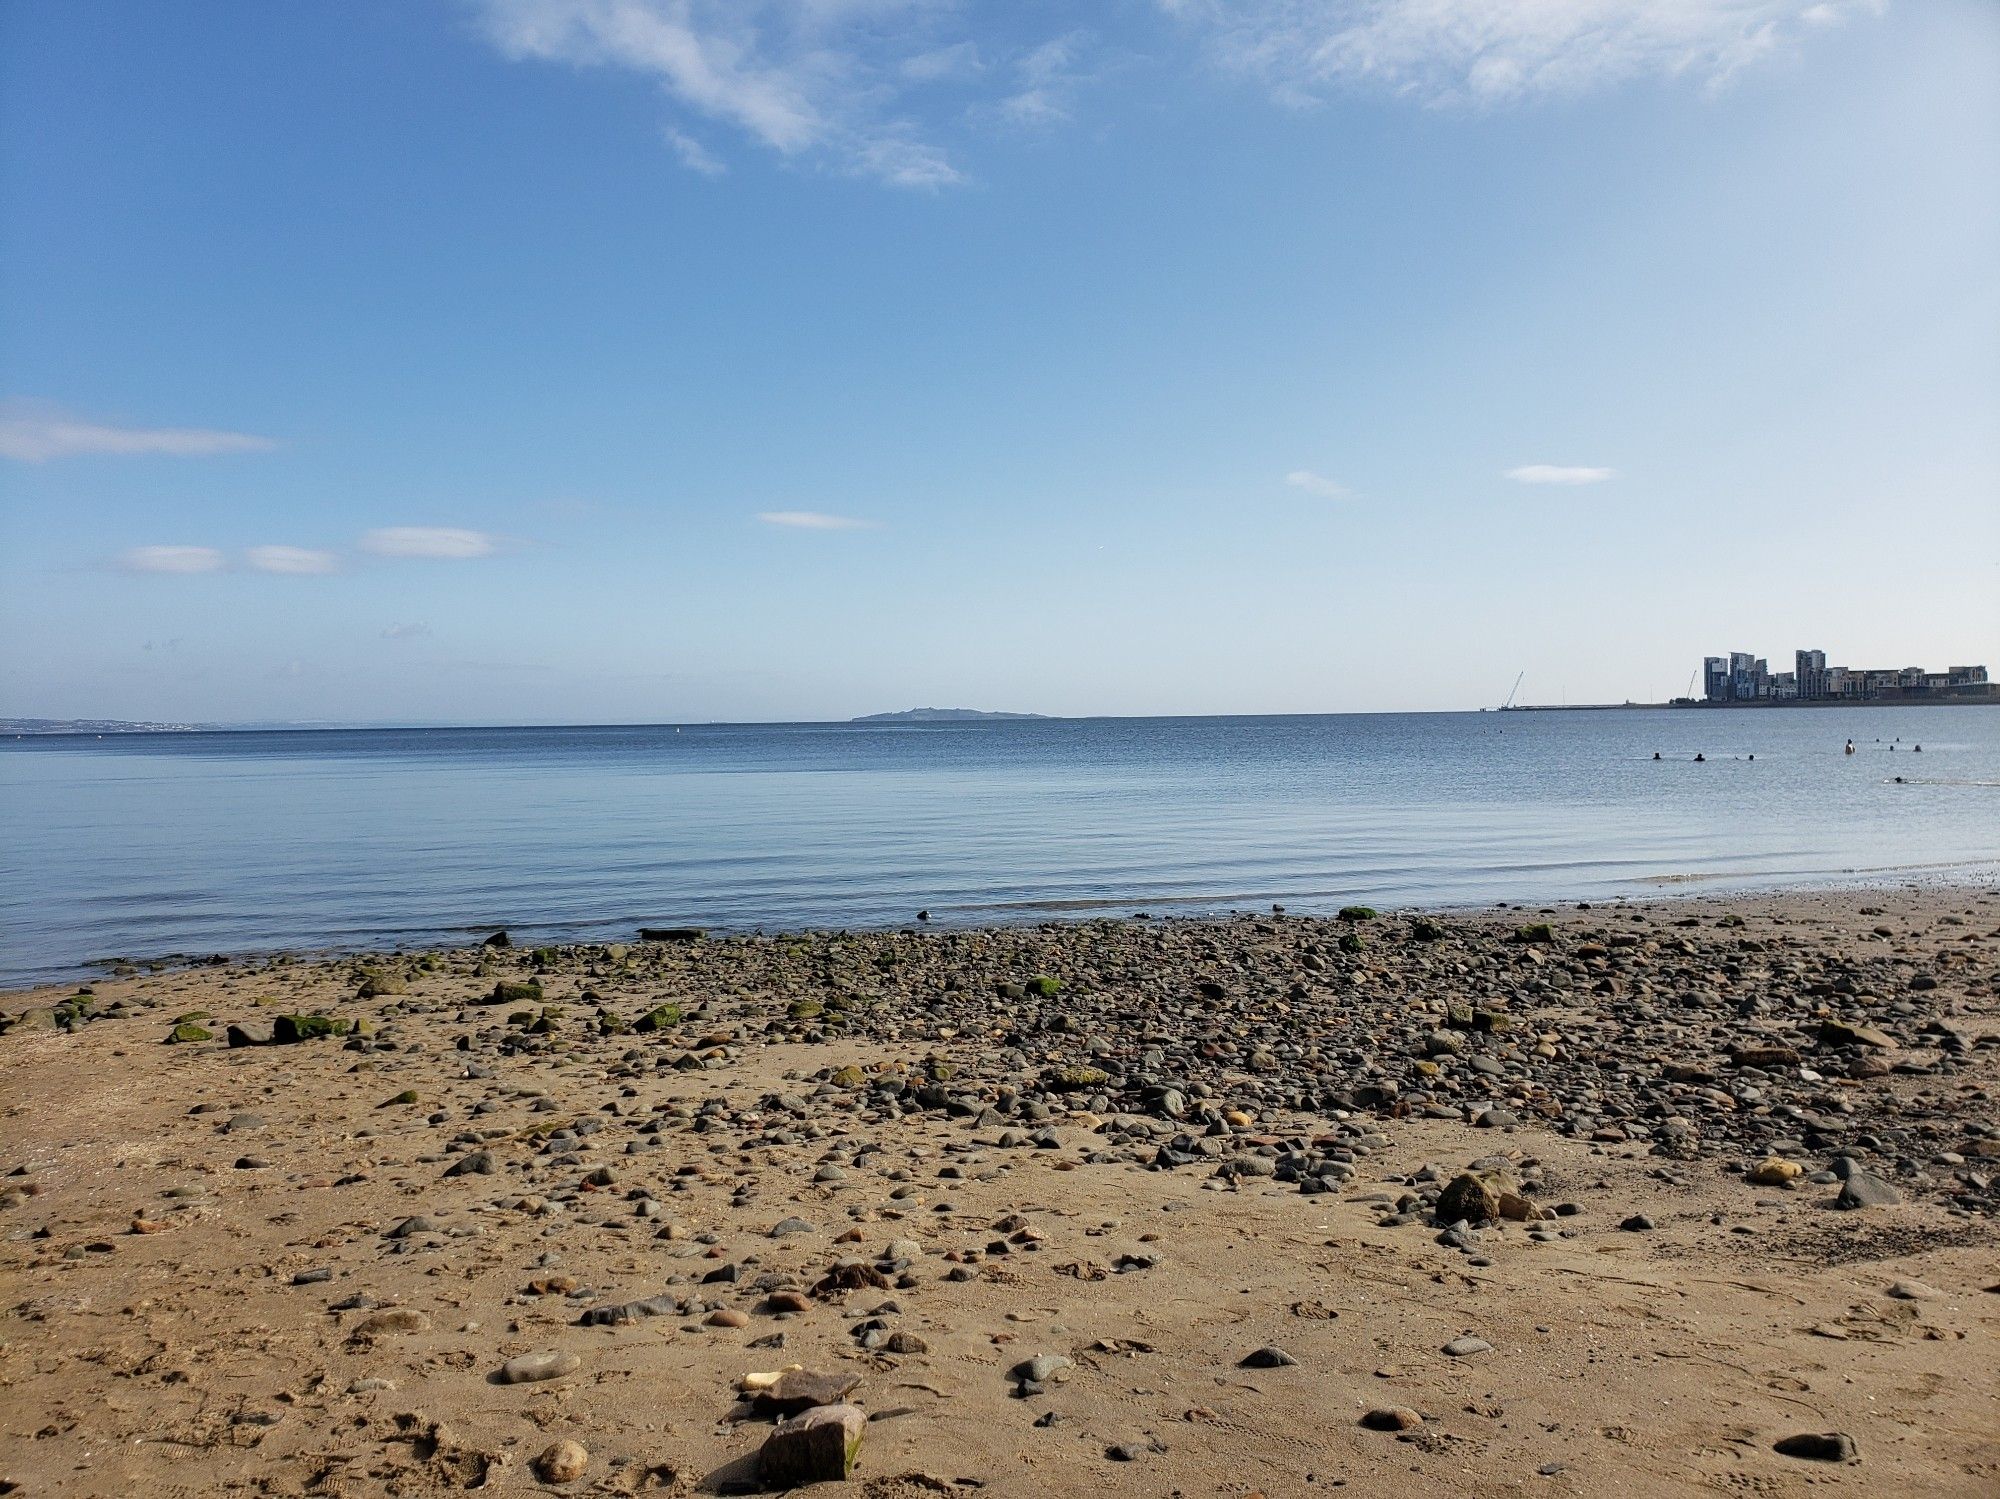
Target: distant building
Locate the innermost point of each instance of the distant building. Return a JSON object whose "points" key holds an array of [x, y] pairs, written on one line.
{"points": [[1741, 677]]}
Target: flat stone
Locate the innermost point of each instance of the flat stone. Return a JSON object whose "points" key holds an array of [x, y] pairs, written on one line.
{"points": [[1467, 1346], [533, 1368], [1818, 1446]]}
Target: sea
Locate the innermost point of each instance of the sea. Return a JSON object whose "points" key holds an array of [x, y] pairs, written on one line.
{"points": [[166, 845]]}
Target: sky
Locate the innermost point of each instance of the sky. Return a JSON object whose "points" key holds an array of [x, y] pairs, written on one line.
{"points": [[546, 361]]}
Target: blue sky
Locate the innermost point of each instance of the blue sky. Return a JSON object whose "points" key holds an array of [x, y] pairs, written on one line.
{"points": [[654, 360]]}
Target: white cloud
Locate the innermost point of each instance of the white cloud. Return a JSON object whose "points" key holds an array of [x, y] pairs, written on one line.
{"points": [[1556, 473], [413, 630], [1047, 77], [170, 559], [1312, 483], [812, 520], [810, 79], [446, 542], [960, 60], [298, 560], [32, 432], [693, 154], [1484, 52]]}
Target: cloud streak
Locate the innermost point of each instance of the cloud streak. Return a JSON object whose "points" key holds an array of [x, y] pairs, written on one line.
{"points": [[299, 561], [808, 79], [1312, 483], [34, 433], [813, 520], [438, 543], [1494, 52], [1557, 473], [171, 559]]}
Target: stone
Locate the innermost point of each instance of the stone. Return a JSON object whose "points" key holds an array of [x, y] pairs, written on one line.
{"points": [[474, 1163], [798, 1390], [817, 1446], [1467, 1346], [1864, 1189], [1817, 1446], [395, 1319], [562, 1462], [289, 1030], [1473, 1197], [1391, 1418], [1840, 1033], [248, 1033], [533, 1368], [1910, 1290], [1776, 1171], [1267, 1357]]}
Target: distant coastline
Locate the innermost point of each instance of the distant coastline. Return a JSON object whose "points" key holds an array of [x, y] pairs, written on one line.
{"points": [[938, 715]]}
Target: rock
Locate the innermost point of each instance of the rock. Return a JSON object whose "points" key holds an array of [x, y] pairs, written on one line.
{"points": [[1473, 1197], [1911, 1290], [561, 1462], [288, 1030], [1467, 1346], [395, 1319], [188, 1031], [249, 1033], [798, 1390], [1776, 1171], [659, 1018], [1840, 1033], [533, 1368], [1392, 1418], [474, 1163], [1819, 1446], [1267, 1357], [1638, 1223], [817, 1446], [375, 984], [727, 1317], [1864, 1189]]}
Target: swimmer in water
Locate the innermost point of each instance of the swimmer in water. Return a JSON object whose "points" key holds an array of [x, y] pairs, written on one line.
{"points": [[1656, 754], [1850, 746], [1700, 758]]}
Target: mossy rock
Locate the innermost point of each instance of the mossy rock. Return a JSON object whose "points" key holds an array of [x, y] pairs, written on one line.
{"points": [[375, 984], [187, 1030], [1351, 942], [805, 1009], [609, 1024], [544, 957], [521, 1017], [658, 1018], [505, 993], [1041, 984], [192, 1016], [408, 1095], [288, 1030], [848, 1077], [1538, 932], [545, 1024], [1076, 1078], [1426, 931], [1358, 913]]}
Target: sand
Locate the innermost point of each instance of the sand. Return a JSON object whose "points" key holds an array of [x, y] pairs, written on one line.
{"points": [[185, 1217]]}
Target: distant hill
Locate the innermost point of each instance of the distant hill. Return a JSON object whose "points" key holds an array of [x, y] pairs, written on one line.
{"points": [[938, 715], [90, 726]]}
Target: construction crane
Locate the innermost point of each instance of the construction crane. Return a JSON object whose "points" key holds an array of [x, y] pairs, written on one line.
{"points": [[1510, 696]]}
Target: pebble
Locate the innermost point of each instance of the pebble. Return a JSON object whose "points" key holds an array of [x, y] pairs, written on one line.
{"points": [[562, 1462], [532, 1368]]}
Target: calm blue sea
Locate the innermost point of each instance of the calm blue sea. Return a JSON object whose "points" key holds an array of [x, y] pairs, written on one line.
{"points": [[150, 845]]}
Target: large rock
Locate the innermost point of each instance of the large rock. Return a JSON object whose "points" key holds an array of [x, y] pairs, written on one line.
{"points": [[816, 1447], [1474, 1197], [1840, 1033], [1864, 1189]]}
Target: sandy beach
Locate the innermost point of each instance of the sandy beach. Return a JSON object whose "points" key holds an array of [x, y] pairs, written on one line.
{"points": [[1685, 1198]]}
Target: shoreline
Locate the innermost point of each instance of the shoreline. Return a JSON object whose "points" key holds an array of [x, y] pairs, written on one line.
{"points": [[1648, 890], [1476, 1203]]}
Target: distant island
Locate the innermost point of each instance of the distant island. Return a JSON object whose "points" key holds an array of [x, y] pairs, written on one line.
{"points": [[91, 726], [938, 715]]}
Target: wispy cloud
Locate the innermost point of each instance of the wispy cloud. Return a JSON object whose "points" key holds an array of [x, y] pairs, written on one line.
{"points": [[693, 154], [812, 520], [809, 79], [1485, 52], [33, 432], [297, 560], [1312, 483], [412, 630], [447, 543], [1047, 76], [171, 559], [1557, 473]]}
